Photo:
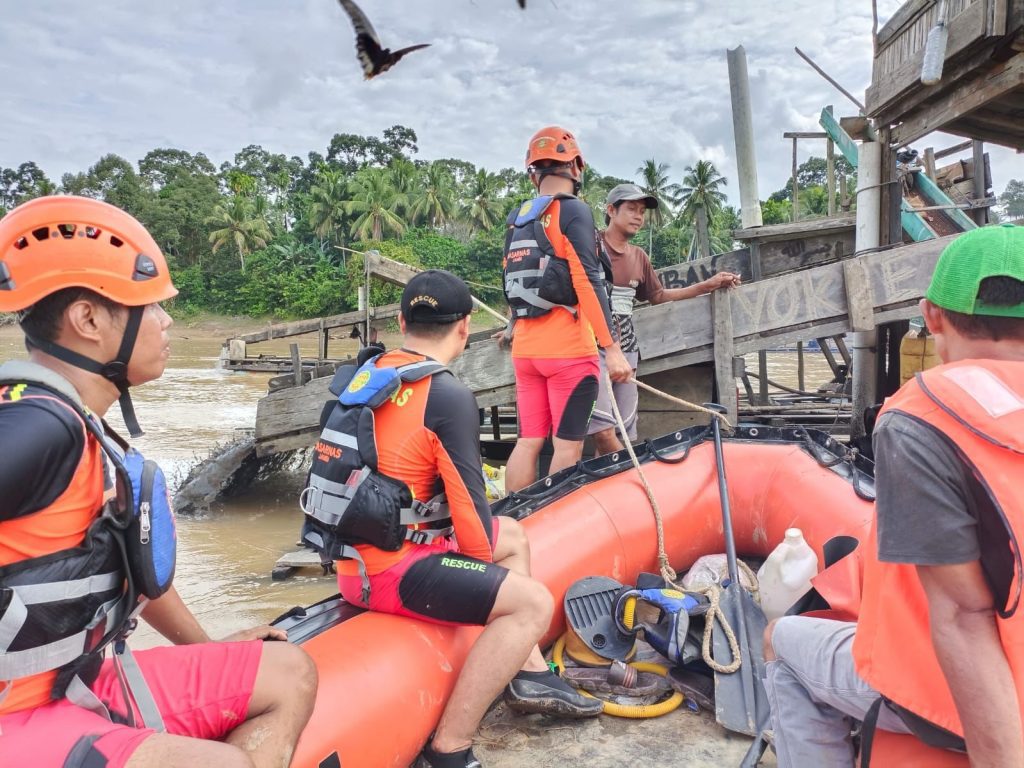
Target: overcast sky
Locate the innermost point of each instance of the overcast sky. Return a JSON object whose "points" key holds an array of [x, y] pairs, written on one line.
{"points": [[634, 79]]}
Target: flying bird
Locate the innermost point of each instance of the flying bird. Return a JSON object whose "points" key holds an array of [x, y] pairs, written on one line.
{"points": [[372, 55]]}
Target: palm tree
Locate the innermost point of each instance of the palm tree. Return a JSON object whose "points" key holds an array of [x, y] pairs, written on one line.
{"points": [[654, 182], [375, 202], [327, 197], [403, 177], [702, 198], [482, 207], [241, 223], [433, 200]]}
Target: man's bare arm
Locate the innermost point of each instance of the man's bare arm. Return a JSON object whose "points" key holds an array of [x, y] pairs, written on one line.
{"points": [[966, 640]]}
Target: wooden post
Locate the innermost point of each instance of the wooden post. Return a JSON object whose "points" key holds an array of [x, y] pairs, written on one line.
{"points": [[929, 163], [980, 215], [844, 200], [495, 423], [829, 357], [236, 350], [762, 355], [796, 188], [296, 364], [366, 262], [743, 135], [721, 316], [830, 172], [799, 365], [323, 339]]}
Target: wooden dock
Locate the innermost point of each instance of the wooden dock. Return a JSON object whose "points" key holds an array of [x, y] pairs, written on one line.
{"points": [[711, 332]]}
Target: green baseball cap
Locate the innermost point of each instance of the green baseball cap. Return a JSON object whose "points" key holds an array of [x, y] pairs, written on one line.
{"points": [[984, 252]]}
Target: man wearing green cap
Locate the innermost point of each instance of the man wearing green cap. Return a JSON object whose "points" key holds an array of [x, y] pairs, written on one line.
{"points": [[938, 647]]}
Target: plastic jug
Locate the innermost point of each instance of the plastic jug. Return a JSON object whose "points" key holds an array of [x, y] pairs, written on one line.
{"points": [[786, 575]]}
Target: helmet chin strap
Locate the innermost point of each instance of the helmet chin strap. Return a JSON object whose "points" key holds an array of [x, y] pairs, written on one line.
{"points": [[116, 371], [562, 173]]}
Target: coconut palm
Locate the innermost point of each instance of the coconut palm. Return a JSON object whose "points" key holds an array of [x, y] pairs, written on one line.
{"points": [[375, 203], [654, 182], [327, 197], [482, 206], [433, 200], [702, 198], [241, 222], [403, 178]]}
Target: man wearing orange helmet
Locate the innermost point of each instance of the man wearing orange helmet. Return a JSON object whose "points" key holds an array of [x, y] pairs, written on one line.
{"points": [[87, 536], [556, 284]]}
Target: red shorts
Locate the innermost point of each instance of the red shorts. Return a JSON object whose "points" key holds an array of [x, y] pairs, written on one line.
{"points": [[434, 582], [202, 691], [555, 393]]}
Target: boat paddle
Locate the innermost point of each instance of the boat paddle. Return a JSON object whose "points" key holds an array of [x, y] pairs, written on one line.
{"points": [[741, 704]]}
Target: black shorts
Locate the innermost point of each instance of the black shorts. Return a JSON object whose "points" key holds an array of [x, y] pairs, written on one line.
{"points": [[452, 588]]}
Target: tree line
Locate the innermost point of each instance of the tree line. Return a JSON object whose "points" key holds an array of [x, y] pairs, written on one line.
{"points": [[265, 234]]}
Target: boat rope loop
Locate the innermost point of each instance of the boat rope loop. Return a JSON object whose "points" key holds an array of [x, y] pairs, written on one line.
{"points": [[849, 457], [713, 592], [680, 401], [714, 614]]}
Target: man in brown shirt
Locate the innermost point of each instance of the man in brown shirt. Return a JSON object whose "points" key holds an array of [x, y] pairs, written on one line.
{"points": [[633, 278]]}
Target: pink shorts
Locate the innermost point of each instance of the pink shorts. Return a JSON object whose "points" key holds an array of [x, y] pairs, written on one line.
{"points": [[202, 691], [555, 393], [434, 582]]}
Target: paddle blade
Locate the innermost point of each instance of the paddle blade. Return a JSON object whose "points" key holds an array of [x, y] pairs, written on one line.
{"points": [[741, 703]]}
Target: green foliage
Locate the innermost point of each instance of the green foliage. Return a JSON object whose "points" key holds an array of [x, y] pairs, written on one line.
{"points": [[1013, 199], [262, 234], [776, 211]]}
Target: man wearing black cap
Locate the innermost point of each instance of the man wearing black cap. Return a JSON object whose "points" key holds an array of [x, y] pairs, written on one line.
{"points": [[463, 567], [633, 277]]}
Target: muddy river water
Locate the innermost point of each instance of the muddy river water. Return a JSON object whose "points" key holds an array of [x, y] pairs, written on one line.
{"points": [[226, 554]]}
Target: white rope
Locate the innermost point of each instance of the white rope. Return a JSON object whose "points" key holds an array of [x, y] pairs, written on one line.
{"points": [[714, 613]]}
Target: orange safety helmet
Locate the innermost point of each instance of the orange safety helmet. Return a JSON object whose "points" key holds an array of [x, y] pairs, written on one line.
{"points": [[554, 143], [58, 242]]}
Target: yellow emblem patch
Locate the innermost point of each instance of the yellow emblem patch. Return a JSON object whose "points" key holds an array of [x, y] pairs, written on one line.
{"points": [[359, 381], [526, 208]]}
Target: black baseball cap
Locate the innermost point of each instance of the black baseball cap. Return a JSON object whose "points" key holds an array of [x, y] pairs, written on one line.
{"points": [[436, 296]]}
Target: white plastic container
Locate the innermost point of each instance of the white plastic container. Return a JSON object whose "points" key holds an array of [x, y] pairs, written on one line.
{"points": [[786, 575]]}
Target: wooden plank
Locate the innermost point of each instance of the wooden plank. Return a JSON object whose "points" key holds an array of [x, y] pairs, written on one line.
{"points": [[962, 100], [722, 330], [791, 231], [956, 149], [776, 305], [859, 301], [772, 312], [899, 20], [966, 30], [389, 270], [300, 327], [692, 272]]}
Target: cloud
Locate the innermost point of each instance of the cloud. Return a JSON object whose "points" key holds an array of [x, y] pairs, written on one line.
{"points": [[634, 80]]}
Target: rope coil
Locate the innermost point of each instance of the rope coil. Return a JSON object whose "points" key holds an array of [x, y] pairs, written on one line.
{"points": [[713, 591]]}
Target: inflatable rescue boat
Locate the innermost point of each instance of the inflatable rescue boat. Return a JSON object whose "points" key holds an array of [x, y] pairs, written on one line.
{"points": [[384, 680]]}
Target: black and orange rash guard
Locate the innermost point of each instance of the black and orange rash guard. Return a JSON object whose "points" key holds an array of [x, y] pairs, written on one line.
{"points": [[559, 334], [428, 437]]}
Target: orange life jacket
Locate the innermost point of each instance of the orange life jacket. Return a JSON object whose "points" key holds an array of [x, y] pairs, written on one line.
{"points": [[979, 406]]}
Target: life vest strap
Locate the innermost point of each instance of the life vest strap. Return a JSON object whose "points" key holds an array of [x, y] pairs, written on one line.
{"points": [[51, 656]]}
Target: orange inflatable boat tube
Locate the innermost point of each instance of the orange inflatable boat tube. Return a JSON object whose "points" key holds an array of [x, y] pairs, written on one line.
{"points": [[384, 680]]}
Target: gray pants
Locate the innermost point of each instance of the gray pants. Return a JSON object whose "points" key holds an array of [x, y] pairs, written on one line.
{"points": [[626, 397], [816, 695]]}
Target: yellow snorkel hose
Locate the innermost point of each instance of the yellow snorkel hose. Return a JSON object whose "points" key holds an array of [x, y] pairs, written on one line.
{"points": [[633, 711]]}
